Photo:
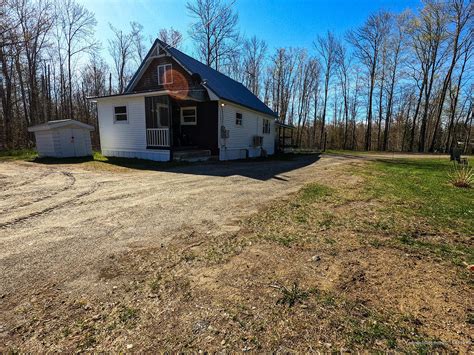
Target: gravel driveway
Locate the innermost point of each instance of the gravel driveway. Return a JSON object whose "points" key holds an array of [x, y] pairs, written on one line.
{"points": [[58, 223]]}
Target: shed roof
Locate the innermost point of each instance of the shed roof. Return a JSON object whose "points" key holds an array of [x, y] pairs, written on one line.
{"points": [[59, 124]]}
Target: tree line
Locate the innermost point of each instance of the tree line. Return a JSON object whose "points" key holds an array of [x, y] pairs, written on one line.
{"points": [[398, 82]]}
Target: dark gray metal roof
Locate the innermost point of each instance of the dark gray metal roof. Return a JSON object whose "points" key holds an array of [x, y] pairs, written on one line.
{"points": [[223, 86]]}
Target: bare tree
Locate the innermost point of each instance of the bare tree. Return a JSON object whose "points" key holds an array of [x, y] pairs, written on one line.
{"points": [[214, 31], [121, 48], [454, 93], [428, 33], [462, 18], [395, 43], [254, 51], [76, 24], [138, 41], [283, 81], [367, 42], [172, 37], [307, 76], [326, 48]]}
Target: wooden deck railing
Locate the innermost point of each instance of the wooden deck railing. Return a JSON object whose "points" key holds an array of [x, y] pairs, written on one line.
{"points": [[157, 137]]}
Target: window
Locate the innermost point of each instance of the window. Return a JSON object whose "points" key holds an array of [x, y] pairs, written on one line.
{"points": [[165, 74], [238, 119], [120, 113], [266, 126], [188, 116]]}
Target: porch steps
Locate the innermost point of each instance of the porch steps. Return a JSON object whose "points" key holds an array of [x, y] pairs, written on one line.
{"points": [[192, 155]]}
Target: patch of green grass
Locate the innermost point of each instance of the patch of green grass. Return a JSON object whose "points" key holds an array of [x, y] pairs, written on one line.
{"points": [[127, 314], [376, 243], [97, 156], [18, 154], [314, 192], [470, 318], [221, 249], [458, 254], [66, 332], [330, 241], [155, 284], [369, 332], [285, 240], [328, 219], [327, 299], [293, 295], [350, 152], [420, 187]]}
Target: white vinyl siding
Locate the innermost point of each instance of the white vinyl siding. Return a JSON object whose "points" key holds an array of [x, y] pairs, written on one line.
{"points": [[122, 136], [45, 143], [240, 141], [126, 140]]}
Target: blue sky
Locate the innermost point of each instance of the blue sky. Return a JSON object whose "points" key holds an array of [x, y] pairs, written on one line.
{"points": [[281, 23]]}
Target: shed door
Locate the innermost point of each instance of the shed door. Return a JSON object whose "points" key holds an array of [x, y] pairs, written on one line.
{"points": [[72, 143], [67, 143], [80, 148]]}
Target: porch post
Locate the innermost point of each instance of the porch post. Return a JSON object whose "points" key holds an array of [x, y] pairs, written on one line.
{"points": [[170, 126]]}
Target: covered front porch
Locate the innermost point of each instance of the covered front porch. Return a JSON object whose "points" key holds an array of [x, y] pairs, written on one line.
{"points": [[181, 124]]}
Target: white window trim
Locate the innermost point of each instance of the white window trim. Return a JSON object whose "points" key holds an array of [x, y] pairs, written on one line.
{"points": [[241, 119], [171, 73], [195, 116], [114, 114]]}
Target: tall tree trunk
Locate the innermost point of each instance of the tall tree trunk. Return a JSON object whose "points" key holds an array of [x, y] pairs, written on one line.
{"points": [[323, 121], [368, 135], [7, 105]]}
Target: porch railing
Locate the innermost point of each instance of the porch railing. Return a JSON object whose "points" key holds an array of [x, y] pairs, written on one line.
{"points": [[157, 137]]}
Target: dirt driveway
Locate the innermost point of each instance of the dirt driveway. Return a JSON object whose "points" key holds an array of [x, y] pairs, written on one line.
{"points": [[58, 223]]}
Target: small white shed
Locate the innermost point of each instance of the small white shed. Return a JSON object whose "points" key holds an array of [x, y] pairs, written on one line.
{"points": [[63, 138]]}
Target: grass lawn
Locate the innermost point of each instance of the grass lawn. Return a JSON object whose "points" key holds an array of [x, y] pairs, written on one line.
{"points": [[419, 194]]}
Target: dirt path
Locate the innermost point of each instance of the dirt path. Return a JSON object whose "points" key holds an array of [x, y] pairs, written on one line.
{"points": [[58, 223]]}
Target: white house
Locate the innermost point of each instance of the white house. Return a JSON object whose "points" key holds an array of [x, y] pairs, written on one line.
{"points": [[176, 107]]}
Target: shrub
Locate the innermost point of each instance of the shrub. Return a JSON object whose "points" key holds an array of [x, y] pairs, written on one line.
{"points": [[461, 176]]}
